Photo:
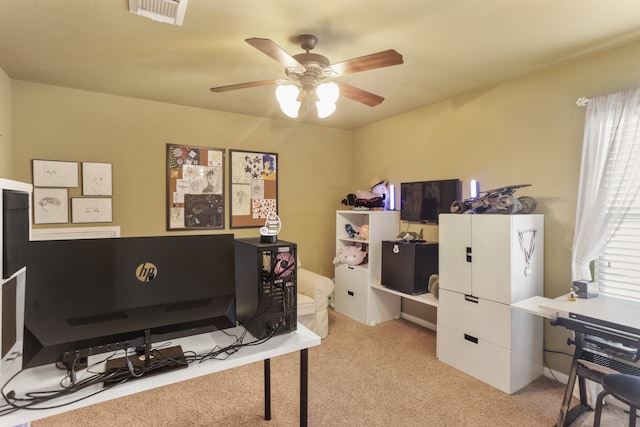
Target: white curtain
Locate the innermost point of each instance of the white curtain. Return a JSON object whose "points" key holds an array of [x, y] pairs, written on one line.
{"points": [[603, 198]]}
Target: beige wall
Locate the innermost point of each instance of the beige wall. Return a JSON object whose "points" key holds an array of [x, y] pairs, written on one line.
{"points": [[55, 123], [527, 130], [6, 169]]}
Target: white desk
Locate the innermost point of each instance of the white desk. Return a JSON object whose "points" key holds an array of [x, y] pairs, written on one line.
{"points": [[534, 305], [48, 377], [603, 307], [617, 311]]}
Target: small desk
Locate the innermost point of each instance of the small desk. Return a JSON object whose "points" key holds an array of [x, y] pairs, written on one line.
{"points": [[48, 377], [603, 308]]}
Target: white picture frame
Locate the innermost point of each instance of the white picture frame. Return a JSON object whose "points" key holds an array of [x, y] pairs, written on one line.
{"points": [[50, 206], [55, 173], [91, 209], [97, 179]]}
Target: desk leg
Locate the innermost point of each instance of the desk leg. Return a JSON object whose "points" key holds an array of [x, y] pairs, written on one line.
{"points": [[304, 386], [267, 389], [568, 394], [567, 414]]}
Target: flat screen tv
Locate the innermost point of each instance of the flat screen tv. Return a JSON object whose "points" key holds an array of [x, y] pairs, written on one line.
{"points": [[98, 295], [423, 201]]}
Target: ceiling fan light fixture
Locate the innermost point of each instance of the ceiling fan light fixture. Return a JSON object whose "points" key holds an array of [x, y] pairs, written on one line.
{"points": [[328, 92], [306, 72], [291, 109], [325, 109], [287, 96], [327, 95]]}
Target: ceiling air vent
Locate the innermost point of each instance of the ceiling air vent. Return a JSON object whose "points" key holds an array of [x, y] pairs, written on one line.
{"points": [[169, 11]]}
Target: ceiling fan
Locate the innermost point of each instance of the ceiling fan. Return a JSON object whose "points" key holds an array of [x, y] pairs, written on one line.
{"points": [[310, 76]]}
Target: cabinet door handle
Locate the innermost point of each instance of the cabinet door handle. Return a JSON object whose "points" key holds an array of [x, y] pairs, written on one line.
{"points": [[471, 298], [350, 268], [350, 293], [468, 254], [471, 338]]}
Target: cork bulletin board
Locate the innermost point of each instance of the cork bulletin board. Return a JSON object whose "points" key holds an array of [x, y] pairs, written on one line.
{"points": [[254, 187], [195, 188]]}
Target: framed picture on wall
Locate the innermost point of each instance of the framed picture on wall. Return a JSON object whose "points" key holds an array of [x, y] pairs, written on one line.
{"points": [[55, 173], [91, 209], [195, 187], [50, 206], [97, 179], [254, 187]]}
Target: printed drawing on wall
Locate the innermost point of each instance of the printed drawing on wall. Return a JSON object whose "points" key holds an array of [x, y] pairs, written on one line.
{"points": [[96, 179], [254, 187], [195, 187], [55, 173], [50, 206], [91, 209]]}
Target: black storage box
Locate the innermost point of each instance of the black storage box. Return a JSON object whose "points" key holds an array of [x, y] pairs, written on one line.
{"points": [[406, 266]]}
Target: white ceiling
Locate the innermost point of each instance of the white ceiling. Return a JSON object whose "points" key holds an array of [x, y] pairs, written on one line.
{"points": [[449, 47]]}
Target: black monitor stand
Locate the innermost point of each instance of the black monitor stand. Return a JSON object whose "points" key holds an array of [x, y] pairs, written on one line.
{"points": [[144, 362]]}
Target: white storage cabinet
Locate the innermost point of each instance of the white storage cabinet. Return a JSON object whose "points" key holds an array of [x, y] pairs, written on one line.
{"points": [[354, 296], [488, 262]]}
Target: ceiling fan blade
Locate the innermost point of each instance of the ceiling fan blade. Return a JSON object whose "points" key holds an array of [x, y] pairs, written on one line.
{"points": [[268, 47], [243, 85], [360, 95], [386, 58]]}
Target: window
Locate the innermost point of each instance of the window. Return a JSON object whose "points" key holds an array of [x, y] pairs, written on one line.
{"points": [[618, 266], [607, 233]]}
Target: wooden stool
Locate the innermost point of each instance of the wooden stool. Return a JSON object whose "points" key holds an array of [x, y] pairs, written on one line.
{"points": [[625, 388]]}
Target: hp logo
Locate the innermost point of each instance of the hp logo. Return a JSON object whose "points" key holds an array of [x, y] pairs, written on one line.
{"points": [[146, 272]]}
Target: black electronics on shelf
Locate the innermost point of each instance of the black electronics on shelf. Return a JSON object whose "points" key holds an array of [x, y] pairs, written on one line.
{"points": [[424, 201], [406, 266], [266, 286]]}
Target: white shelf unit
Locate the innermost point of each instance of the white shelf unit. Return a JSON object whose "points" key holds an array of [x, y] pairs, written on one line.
{"points": [[355, 294], [483, 270], [427, 298]]}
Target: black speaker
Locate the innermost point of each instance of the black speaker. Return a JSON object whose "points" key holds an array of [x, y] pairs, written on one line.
{"points": [[406, 266]]}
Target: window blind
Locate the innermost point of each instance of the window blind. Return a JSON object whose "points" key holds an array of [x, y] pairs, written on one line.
{"points": [[617, 269]]}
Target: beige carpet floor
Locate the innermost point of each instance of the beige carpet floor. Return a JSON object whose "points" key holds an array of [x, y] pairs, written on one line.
{"points": [[385, 375]]}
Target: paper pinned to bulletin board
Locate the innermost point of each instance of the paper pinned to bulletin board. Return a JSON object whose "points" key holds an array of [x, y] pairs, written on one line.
{"points": [[254, 187], [195, 188]]}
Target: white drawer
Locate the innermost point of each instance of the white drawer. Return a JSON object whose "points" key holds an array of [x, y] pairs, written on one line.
{"points": [[481, 318], [351, 303], [478, 358], [354, 278]]}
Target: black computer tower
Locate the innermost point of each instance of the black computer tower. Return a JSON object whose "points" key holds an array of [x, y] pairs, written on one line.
{"points": [[406, 266], [266, 286]]}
